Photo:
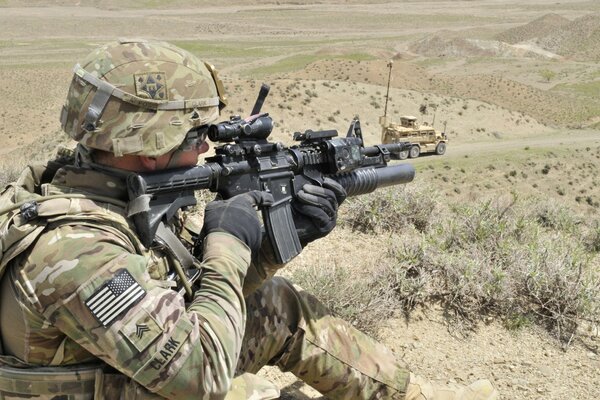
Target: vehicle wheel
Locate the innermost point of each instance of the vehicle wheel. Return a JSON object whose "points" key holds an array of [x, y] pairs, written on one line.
{"points": [[440, 148], [415, 151], [403, 155]]}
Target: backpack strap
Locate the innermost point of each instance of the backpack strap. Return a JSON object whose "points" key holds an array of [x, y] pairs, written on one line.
{"points": [[24, 226]]}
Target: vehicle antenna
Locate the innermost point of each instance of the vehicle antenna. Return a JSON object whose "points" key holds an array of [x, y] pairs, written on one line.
{"points": [[387, 93]]}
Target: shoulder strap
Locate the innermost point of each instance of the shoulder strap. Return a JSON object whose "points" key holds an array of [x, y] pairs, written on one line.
{"points": [[21, 229], [103, 199]]}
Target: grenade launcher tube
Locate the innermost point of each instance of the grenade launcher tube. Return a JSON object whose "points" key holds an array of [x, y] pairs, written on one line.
{"points": [[366, 180]]}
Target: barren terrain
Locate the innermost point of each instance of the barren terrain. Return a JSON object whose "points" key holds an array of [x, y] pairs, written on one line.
{"points": [[515, 83]]}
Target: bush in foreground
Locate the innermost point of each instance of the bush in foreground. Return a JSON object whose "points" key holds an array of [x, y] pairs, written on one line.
{"points": [[520, 260]]}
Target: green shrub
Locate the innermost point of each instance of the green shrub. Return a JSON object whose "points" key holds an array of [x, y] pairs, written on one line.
{"points": [[549, 215], [561, 285], [391, 209], [591, 239], [522, 261], [364, 301]]}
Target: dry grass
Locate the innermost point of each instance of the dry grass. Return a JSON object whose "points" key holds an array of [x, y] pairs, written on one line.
{"points": [[10, 168], [520, 260]]}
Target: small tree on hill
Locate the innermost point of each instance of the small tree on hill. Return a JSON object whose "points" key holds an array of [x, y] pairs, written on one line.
{"points": [[547, 74]]}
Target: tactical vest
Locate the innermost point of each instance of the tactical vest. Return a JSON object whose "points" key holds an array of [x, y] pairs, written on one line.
{"points": [[24, 215]]}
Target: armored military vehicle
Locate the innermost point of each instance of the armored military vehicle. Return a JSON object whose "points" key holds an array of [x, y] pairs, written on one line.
{"points": [[424, 138]]}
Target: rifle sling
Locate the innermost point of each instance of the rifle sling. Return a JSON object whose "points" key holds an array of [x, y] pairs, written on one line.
{"points": [[180, 252]]}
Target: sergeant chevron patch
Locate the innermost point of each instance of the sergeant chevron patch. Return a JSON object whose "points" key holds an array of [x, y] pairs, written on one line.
{"points": [[140, 329], [115, 297]]}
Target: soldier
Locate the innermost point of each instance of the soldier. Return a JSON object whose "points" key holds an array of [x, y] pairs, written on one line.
{"points": [[88, 312]]}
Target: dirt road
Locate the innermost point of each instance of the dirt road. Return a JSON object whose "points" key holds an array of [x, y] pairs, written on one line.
{"points": [[485, 148]]}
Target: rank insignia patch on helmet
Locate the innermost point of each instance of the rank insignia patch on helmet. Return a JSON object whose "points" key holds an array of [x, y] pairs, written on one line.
{"points": [[151, 85]]}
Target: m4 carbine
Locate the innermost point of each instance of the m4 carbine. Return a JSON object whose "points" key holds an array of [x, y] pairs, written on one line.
{"points": [[246, 160]]}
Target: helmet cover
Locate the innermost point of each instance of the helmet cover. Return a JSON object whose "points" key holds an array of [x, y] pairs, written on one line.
{"points": [[140, 97]]}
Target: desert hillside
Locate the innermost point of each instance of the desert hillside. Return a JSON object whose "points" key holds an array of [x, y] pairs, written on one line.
{"points": [[546, 25], [578, 39]]}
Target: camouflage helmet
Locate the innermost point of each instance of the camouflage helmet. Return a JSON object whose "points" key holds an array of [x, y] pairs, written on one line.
{"points": [[140, 97]]}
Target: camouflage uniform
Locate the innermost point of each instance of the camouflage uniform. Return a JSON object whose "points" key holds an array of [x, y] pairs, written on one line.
{"points": [[170, 348]]}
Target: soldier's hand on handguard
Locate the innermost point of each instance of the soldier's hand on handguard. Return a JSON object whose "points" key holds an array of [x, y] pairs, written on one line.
{"points": [[315, 210], [237, 216]]}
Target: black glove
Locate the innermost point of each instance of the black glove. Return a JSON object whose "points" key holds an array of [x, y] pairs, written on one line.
{"points": [[238, 217], [315, 209]]}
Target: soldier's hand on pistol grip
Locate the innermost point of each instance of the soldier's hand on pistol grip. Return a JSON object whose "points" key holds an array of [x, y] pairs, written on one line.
{"points": [[315, 210], [237, 216]]}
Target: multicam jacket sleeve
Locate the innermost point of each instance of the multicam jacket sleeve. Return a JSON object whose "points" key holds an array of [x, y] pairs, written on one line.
{"points": [[88, 284]]}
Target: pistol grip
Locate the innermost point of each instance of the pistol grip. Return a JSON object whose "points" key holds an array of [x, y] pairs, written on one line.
{"points": [[281, 230]]}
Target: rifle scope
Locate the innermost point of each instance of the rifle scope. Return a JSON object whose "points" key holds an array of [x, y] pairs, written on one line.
{"points": [[228, 131]]}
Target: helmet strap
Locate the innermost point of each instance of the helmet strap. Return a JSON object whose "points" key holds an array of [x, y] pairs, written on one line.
{"points": [[96, 108], [83, 156], [84, 159], [173, 159]]}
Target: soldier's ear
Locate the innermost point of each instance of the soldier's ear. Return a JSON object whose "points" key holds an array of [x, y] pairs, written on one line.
{"points": [[149, 163]]}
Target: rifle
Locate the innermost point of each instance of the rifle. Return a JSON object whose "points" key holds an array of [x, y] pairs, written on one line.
{"points": [[246, 160]]}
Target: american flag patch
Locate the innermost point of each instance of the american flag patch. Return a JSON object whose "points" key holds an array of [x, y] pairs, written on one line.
{"points": [[115, 297]]}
